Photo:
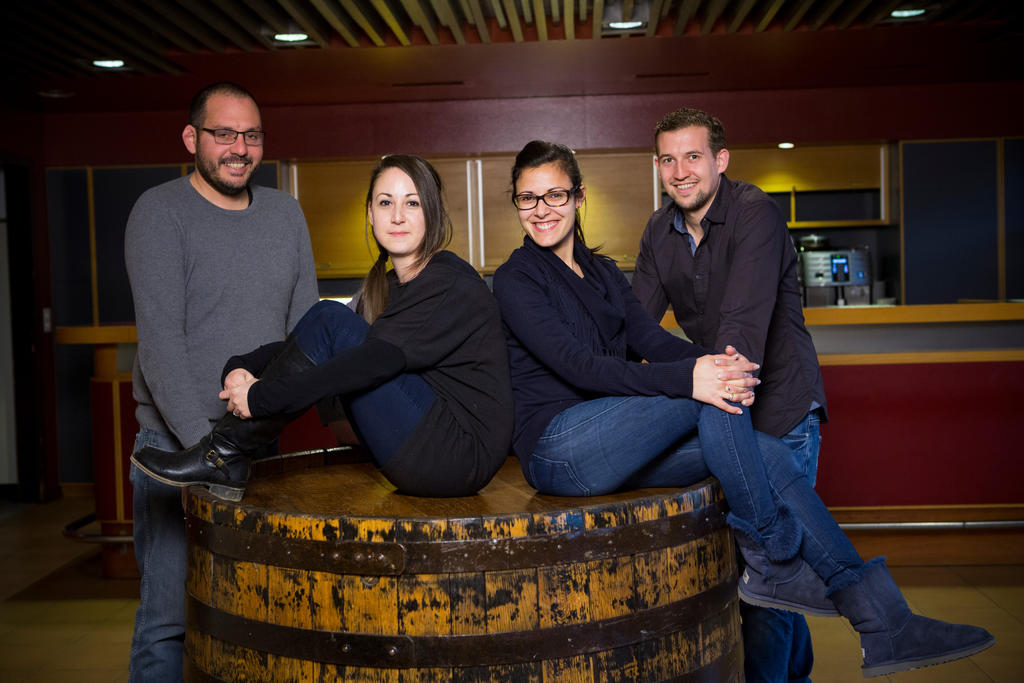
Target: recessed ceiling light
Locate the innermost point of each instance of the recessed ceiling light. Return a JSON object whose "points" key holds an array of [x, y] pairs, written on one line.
{"points": [[625, 25], [786, 145], [290, 37], [906, 13], [108, 63]]}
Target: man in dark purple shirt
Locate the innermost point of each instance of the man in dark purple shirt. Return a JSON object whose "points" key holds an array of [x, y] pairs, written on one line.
{"points": [[721, 255]]}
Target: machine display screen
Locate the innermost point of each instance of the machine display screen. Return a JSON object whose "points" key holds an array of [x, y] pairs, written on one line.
{"points": [[840, 268]]}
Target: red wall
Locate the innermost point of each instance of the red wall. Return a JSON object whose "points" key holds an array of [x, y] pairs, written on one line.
{"points": [[927, 434], [874, 113]]}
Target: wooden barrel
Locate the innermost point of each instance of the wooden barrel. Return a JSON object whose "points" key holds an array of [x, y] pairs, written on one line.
{"points": [[327, 574]]}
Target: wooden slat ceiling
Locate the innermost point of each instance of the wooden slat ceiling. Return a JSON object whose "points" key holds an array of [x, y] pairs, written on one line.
{"points": [[51, 43]]}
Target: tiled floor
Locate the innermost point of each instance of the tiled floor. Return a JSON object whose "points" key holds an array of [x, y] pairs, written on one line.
{"points": [[987, 596], [86, 639], [53, 641]]}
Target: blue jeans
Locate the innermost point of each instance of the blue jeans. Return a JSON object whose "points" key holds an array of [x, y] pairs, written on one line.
{"points": [[159, 526], [615, 442], [609, 443], [383, 417], [776, 643]]}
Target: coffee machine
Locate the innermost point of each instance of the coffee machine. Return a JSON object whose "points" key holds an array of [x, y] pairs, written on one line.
{"points": [[835, 277]]}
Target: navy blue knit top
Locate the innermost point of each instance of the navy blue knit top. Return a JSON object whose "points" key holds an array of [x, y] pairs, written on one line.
{"points": [[572, 339]]}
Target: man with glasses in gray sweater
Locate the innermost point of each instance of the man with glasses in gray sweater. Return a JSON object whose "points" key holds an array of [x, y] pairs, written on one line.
{"points": [[218, 266]]}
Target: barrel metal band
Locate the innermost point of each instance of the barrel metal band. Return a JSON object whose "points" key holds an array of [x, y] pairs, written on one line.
{"points": [[439, 557], [338, 557], [725, 668], [487, 649]]}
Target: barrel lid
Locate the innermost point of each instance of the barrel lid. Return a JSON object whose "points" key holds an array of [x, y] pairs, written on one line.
{"points": [[340, 483]]}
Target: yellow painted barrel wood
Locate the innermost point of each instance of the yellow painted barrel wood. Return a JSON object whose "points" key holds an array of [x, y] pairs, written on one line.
{"points": [[325, 573]]}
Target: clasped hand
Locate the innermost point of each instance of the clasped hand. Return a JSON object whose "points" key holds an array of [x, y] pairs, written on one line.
{"points": [[236, 391], [722, 377]]}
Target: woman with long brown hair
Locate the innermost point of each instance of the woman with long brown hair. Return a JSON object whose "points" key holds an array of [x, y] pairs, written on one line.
{"points": [[422, 369]]}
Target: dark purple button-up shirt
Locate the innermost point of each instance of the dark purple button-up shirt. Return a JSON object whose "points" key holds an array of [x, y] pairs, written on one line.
{"points": [[739, 287]]}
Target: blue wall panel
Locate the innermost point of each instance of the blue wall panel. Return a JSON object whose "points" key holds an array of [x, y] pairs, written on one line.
{"points": [[1014, 175], [67, 199], [950, 221], [115, 191]]}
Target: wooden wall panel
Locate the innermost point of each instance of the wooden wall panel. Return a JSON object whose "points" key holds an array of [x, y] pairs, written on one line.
{"points": [[502, 231], [333, 198], [453, 176], [620, 199]]}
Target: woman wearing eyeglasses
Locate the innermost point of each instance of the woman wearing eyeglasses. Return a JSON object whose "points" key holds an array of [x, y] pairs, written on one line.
{"points": [[423, 372], [591, 418]]}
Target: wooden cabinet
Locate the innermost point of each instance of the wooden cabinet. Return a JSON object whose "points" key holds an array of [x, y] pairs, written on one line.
{"points": [[958, 238], [333, 198], [501, 232], [621, 191], [837, 186], [454, 176], [828, 186]]}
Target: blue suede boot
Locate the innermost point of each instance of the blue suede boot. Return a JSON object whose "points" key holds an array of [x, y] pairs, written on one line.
{"points": [[893, 638], [790, 584], [779, 539]]}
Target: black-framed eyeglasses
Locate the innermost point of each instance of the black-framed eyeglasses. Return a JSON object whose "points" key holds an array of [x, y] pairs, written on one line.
{"points": [[227, 136], [554, 198]]}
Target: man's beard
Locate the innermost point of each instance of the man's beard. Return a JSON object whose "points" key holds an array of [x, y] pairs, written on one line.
{"points": [[208, 170], [692, 203]]}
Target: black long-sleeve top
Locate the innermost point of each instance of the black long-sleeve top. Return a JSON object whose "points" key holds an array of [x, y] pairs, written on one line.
{"points": [[443, 325], [740, 287], [570, 339]]}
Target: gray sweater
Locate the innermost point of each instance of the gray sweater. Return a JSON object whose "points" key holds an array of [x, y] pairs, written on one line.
{"points": [[209, 283]]}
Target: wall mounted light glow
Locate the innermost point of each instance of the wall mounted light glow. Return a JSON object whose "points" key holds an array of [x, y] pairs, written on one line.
{"points": [[906, 13], [786, 145], [56, 93], [108, 63], [290, 37]]}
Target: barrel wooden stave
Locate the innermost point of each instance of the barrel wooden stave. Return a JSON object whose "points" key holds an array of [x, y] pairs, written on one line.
{"points": [[451, 604]]}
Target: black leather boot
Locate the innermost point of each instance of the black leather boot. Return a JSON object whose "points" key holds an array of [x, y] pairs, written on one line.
{"points": [[220, 461], [893, 638]]}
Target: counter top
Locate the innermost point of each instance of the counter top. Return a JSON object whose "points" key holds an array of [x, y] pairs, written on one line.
{"points": [[832, 315], [933, 313], [900, 315], [96, 334]]}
